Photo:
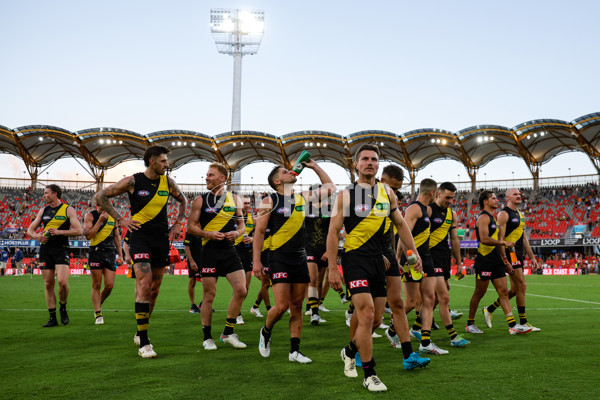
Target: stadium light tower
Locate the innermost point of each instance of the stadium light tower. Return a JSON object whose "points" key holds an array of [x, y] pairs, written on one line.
{"points": [[237, 33]]}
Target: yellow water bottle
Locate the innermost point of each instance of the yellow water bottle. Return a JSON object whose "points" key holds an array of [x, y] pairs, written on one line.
{"points": [[412, 261], [298, 166]]}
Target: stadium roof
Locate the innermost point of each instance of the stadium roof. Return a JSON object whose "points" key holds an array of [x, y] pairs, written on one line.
{"points": [[536, 142]]}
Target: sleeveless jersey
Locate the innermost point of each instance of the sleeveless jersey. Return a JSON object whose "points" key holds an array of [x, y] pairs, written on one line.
{"points": [[217, 215], [421, 231], [488, 252], [105, 237], [56, 217], [317, 225], [365, 225], [286, 224], [249, 228], [441, 221], [515, 229], [149, 204], [195, 245]]}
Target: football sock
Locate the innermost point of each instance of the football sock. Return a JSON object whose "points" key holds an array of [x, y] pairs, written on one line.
{"points": [[425, 337], [142, 317], [522, 315], [229, 324], [451, 331]]}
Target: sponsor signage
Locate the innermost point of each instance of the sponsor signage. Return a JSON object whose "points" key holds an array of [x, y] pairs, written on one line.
{"points": [[72, 243]]}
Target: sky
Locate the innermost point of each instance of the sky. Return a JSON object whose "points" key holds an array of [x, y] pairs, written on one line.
{"points": [[334, 66]]}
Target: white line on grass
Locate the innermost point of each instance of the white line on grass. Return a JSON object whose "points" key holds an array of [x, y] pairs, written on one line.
{"points": [[548, 297]]}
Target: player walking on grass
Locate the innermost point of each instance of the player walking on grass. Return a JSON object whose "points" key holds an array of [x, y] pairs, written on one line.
{"points": [[192, 246], [60, 222], [511, 225], [489, 266], [105, 245], [148, 193], [283, 214], [243, 247], [363, 209], [216, 216]]}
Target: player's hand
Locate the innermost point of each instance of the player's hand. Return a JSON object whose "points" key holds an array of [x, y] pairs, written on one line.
{"points": [[386, 263], [324, 257], [335, 278], [103, 217], [419, 264], [400, 266], [507, 266], [42, 238], [509, 244], [258, 270], [232, 235], [247, 240], [194, 266], [128, 259], [310, 163], [176, 229], [130, 224], [216, 235]]}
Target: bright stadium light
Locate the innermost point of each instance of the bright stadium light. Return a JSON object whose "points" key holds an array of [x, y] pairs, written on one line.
{"points": [[237, 33]]}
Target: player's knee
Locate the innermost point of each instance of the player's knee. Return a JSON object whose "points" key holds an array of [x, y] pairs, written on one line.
{"points": [[444, 299], [96, 285], [241, 292], [108, 287]]}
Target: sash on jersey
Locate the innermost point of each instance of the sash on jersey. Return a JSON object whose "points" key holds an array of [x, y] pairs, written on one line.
{"points": [[441, 232], [517, 233], [225, 213], [371, 224], [58, 219], [291, 226], [249, 229], [484, 249], [103, 233], [156, 204]]}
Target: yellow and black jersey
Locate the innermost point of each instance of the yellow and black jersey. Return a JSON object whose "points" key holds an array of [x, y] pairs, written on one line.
{"points": [[488, 252], [441, 224], [249, 221], [365, 223], [267, 242], [195, 245], [56, 217], [218, 215], [317, 221], [515, 229], [421, 230], [286, 224], [105, 237], [149, 205]]}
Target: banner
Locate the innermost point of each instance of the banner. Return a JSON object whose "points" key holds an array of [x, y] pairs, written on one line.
{"points": [[74, 244], [560, 271]]}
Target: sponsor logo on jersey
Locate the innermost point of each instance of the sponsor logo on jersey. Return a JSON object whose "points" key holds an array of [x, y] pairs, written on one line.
{"points": [[426, 219], [448, 221], [437, 220], [382, 206], [143, 193], [60, 217], [299, 208], [228, 209], [515, 220], [283, 210], [141, 256], [358, 283], [211, 210], [362, 208], [163, 192], [47, 217], [111, 223], [493, 226], [280, 275], [209, 270]]}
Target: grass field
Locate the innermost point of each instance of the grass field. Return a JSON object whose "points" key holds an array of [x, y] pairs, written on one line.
{"points": [[82, 360]]}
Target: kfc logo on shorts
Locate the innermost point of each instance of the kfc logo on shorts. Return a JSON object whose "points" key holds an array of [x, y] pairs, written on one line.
{"points": [[141, 256], [280, 275], [438, 270], [266, 270], [486, 273], [310, 258], [42, 264], [209, 270], [143, 193], [359, 283], [94, 264]]}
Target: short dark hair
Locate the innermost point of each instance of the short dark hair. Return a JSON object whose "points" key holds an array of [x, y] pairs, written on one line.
{"points": [[55, 189], [367, 147], [154, 151], [394, 172], [427, 184], [271, 176], [447, 186], [486, 194]]}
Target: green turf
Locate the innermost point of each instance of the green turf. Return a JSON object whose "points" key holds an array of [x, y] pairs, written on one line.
{"points": [[83, 361]]}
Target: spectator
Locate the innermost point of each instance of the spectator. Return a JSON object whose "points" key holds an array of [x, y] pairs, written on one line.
{"points": [[18, 261]]}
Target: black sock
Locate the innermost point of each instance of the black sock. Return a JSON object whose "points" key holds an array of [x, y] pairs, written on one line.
{"points": [[407, 349], [229, 324], [266, 332], [511, 320], [425, 337], [351, 350], [492, 308], [313, 305], [522, 315], [418, 323], [369, 368], [98, 313], [63, 306], [256, 304], [142, 317], [294, 344], [391, 330], [52, 312], [206, 330], [470, 322], [451, 331], [268, 308]]}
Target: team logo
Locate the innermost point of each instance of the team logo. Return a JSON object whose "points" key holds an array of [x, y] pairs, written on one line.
{"points": [[209, 270], [437, 220], [361, 208], [426, 219], [143, 193], [46, 218], [210, 210], [311, 216], [493, 226], [141, 256], [228, 209], [358, 283], [163, 192], [382, 206], [94, 264], [280, 275], [515, 220], [486, 273], [283, 210]]}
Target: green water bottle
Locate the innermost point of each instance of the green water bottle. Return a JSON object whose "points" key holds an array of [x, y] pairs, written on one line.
{"points": [[298, 166]]}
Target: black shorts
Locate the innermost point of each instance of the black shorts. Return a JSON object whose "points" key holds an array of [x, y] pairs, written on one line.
{"points": [[50, 257], [518, 263], [102, 258], [428, 269], [191, 272], [394, 269], [264, 259], [314, 256], [245, 256], [286, 269], [441, 264], [154, 250], [488, 269], [219, 261], [364, 274]]}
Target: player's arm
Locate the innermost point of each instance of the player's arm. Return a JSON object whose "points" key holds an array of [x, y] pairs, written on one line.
{"points": [[89, 228], [35, 224], [455, 243], [74, 230], [502, 220], [333, 237], [117, 241], [239, 221], [406, 241], [177, 195], [126, 254], [188, 255], [260, 228], [484, 237], [529, 251], [193, 225], [102, 198], [327, 188], [412, 214]]}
